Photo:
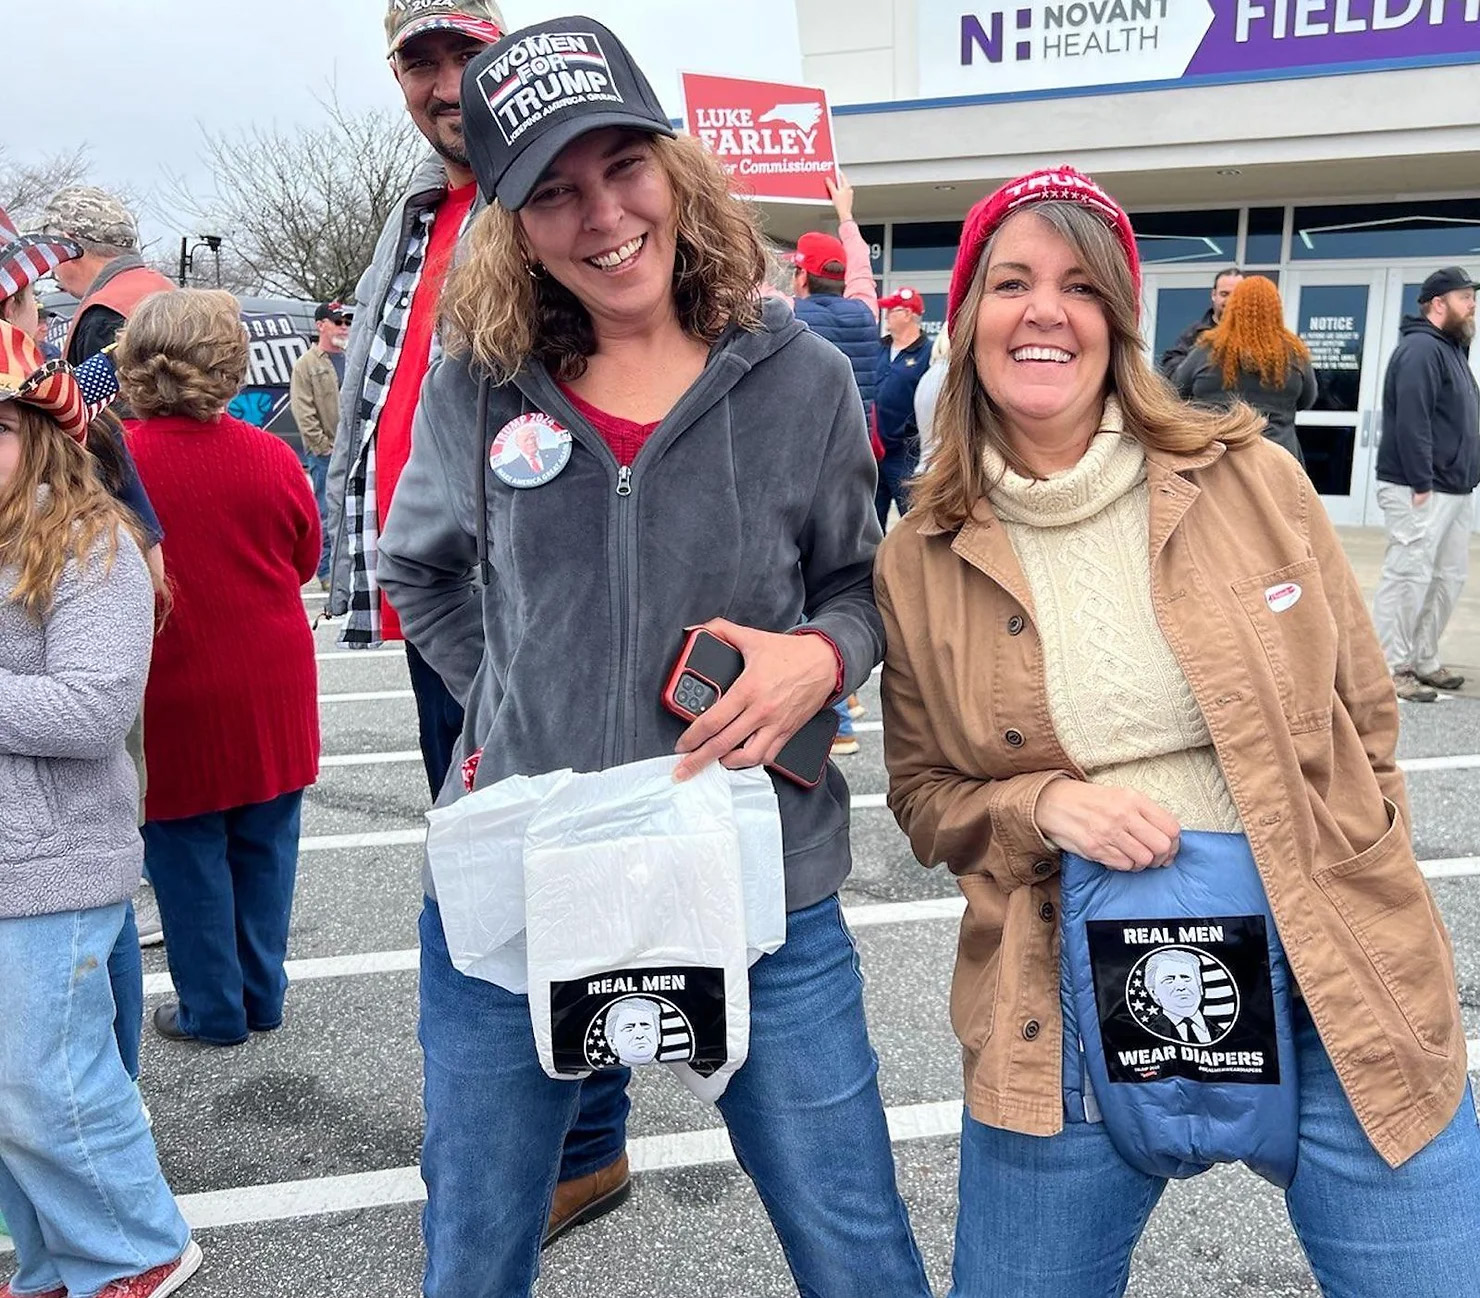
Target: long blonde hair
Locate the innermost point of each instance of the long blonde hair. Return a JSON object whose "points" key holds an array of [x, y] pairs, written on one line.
{"points": [[54, 511], [495, 309], [966, 419]]}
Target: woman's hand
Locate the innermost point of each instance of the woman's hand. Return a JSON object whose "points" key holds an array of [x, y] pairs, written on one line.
{"points": [[1119, 828], [787, 680], [841, 193]]}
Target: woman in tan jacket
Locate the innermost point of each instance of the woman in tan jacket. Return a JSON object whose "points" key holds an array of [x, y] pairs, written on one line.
{"points": [[1112, 618]]}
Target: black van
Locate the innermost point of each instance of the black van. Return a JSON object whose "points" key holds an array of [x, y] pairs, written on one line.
{"points": [[280, 331]]}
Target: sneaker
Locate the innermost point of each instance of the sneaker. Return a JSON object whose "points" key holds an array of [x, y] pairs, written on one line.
{"points": [[1410, 687], [1441, 678], [844, 746], [856, 708], [146, 916], [160, 1281]]}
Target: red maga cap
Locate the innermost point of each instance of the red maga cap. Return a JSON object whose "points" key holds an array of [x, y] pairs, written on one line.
{"points": [[815, 252], [909, 298], [1054, 185]]}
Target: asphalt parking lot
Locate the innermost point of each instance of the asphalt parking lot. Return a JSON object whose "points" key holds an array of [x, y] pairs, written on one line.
{"points": [[295, 1155]]}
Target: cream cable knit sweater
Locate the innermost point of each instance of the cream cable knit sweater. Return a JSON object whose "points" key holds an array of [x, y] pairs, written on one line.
{"points": [[1120, 704]]}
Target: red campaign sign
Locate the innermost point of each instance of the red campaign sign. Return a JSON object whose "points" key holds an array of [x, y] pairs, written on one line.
{"points": [[774, 140]]}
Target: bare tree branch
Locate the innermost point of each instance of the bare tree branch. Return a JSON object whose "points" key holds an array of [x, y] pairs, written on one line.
{"points": [[26, 187], [300, 209]]}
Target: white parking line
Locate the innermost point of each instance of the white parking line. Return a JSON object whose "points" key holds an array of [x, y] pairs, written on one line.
{"points": [[402, 1186], [367, 696], [868, 915], [372, 759], [358, 655]]}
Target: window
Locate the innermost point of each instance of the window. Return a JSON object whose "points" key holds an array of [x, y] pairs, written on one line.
{"points": [[1168, 237], [873, 235], [1265, 235], [1446, 230], [926, 245]]}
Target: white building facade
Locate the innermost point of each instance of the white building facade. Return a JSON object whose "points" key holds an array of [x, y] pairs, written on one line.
{"points": [[1333, 145]]}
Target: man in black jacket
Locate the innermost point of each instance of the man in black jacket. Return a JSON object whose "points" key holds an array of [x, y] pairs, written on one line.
{"points": [[1428, 465], [1224, 282]]}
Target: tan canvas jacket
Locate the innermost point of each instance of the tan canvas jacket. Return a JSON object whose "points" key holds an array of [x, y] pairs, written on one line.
{"points": [[1304, 720], [313, 392]]}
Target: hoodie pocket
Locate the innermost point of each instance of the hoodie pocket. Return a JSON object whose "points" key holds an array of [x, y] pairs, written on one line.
{"points": [[1288, 610]]}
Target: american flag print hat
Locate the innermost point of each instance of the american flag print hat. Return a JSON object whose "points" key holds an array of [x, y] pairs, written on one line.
{"points": [[25, 258], [50, 386]]}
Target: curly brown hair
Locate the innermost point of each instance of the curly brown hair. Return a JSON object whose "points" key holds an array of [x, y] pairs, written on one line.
{"points": [[182, 352], [493, 308], [1252, 335], [966, 418]]}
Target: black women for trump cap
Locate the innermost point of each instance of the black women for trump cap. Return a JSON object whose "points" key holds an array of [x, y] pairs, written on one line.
{"points": [[528, 96]]}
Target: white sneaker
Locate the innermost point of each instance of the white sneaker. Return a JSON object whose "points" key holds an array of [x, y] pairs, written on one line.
{"points": [[146, 916]]}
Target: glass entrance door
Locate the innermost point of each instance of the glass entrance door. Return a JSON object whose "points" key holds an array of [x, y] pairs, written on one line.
{"points": [[1341, 316], [1172, 301]]}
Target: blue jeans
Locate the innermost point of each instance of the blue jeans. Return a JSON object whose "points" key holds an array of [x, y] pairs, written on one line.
{"points": [[804, 1113], [126, 974], [80, 1185], [845, 719], [895, 469], [1059, 1216], [439, 719], [317, 468], [224, 883]]}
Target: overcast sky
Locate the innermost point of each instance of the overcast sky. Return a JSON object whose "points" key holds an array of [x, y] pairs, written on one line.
{"points": [[137, 80]]}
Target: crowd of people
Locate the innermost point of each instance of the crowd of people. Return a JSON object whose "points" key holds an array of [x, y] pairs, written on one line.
{"points": [[1113, 618]]}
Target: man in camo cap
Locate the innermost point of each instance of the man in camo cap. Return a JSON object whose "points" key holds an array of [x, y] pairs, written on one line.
{"points": [[110, 278]]}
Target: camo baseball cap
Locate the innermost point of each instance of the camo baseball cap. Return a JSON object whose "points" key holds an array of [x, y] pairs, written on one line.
{"points": [[406, 19], [90, 215]]}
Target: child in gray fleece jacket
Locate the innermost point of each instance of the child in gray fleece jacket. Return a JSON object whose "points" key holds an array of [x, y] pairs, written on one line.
{"points": [[80, 1186]]}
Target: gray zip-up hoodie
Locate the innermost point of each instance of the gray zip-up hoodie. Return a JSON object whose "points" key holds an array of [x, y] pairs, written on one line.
{"points": [[69, 691], [752, 501]]}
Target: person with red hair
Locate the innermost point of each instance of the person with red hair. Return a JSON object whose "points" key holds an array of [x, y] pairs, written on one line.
{"points": [[1250, 356]]}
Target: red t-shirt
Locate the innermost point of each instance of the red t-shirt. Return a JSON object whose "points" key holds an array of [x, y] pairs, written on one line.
{"points": [[393, 434], [622, 435]]}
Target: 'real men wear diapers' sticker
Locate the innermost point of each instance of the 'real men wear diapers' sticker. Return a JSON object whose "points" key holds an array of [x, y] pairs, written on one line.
{"points": [[1185, 998], [530, 451], [632, 1017]]}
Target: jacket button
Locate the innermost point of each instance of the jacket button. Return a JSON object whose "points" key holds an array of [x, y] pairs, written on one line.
{"points": [[1014, 738], [1015, 625], [1042, 869], [1031, 1030], [1045, 912]]}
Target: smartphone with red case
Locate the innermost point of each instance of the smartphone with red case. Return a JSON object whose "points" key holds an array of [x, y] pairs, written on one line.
{"points": [[706, 667]]}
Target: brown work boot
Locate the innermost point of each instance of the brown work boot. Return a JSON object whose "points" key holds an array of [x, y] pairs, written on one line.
{"points": [[1441, 678], [586, 1198], [1414, 690]]}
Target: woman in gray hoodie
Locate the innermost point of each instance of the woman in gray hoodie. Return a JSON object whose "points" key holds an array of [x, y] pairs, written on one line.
{"points": [[80, 1186], [621, 442]]}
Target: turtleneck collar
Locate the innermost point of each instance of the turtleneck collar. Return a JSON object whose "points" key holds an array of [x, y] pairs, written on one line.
{"points": [[1111, 465]]}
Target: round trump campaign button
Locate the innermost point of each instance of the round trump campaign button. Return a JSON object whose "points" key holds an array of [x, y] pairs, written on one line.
{"points": [[530, 451]]}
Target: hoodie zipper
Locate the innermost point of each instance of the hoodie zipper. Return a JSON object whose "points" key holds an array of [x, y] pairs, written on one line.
{"points": [[627, 635]]}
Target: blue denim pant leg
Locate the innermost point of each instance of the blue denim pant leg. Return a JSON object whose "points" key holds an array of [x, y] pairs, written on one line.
{"points": [[1046, 1216], [80, 1185], [318, 474], [895, 469], [1368, 1228], [439, 719], [494, 1127], [126, 974], [224, 883], [845, 719], [807, 1121]]}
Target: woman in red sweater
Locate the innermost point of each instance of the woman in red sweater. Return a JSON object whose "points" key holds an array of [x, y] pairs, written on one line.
{"points": [[231, 727]]}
